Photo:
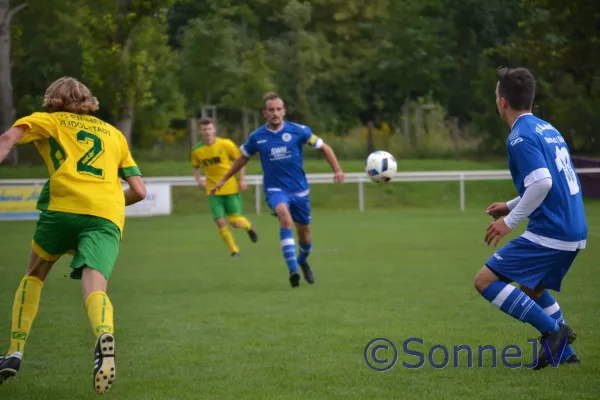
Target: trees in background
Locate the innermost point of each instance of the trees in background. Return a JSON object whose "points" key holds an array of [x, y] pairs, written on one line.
{"points": [[339, 64]]}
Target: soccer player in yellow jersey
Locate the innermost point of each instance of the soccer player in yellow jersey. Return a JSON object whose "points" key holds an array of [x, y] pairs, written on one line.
{"points": [[82, 213], [214, 156]]}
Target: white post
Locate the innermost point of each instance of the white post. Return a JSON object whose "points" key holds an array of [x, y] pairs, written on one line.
{"points": [[462, 192], [361, 195], [257, 197]]}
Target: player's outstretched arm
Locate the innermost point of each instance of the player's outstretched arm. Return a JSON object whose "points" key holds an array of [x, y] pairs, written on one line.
{"points": [[242, 180], [136, 191], [9, 139], [237, 165], [333, 162]]}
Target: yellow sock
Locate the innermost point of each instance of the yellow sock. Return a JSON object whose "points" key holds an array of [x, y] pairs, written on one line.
{"points": [[241, 222], [100, 313], [228, 239], [25, 308]]}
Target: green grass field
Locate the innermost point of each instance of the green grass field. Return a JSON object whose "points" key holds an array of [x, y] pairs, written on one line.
{"points": [[191, 323]]}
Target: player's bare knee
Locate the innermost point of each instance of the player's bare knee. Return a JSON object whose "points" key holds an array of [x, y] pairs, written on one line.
{"points": [[38, 267], [483, 279], [285, 219], [220, 222], [92, 281], [36, 273], [303, 233]]}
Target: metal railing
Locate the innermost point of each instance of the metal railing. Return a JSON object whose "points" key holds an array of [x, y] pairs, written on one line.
{"points": [[359, 178]]}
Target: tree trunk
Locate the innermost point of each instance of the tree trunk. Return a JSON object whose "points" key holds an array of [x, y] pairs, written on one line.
{"points": [[126, 110], [370, 139], [125, 122], [7, 108], [406, 121], [245, 124], [193, 125], [455, 130], [418, 125]]}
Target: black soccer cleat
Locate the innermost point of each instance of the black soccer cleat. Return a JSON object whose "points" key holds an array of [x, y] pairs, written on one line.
{"points": [[295, 279], [307, 272], [572, 360], [554, 340], [105, 369], [235, 254], [253, 235], [9, 366]]}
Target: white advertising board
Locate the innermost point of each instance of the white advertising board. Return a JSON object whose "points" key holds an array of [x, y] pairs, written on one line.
{"points": [[157, 202]]}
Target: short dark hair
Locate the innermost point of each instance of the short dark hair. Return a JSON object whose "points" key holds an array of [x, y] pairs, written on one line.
{"points": [[517, 86], [206, 121], [271, 96]]}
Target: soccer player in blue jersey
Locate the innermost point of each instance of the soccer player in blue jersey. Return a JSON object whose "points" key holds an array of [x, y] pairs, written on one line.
{"points": [[279, 144], [550, 196]]}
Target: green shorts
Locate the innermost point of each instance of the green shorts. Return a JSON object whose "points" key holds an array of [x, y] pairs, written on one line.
{"points": [[93, 241], [226, 205]]}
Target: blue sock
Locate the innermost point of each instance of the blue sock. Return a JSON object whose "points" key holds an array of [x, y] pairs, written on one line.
{"points": [[517, 304], [551, 307], [288, 247], [304, 252]]}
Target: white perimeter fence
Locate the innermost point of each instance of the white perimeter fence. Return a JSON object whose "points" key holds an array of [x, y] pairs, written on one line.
{"points": [[359, 178]]}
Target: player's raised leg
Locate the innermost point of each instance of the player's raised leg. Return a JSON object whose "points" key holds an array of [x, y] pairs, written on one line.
{"points": [[532, 266], [241, 222], [25, 308], [551, 307], [514, 302], [218, 208], [233, 209]]}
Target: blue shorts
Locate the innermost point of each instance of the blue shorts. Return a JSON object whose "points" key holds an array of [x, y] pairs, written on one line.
{"points": [[299, 206], [531, 264]]}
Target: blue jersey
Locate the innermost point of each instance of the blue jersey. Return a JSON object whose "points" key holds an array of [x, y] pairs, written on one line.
{"points": [[536, 150], [281, 156]]}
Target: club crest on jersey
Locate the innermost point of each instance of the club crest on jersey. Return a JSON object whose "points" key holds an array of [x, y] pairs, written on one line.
{"points": [[286, 137]]}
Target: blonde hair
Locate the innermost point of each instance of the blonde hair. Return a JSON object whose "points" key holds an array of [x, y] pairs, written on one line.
{"points": [[271, 96], [68, 94]]}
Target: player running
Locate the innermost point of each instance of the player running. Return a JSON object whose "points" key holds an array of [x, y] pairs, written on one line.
{"points": [[215, 156], [550, 197], [279, 144], [82, 213]]}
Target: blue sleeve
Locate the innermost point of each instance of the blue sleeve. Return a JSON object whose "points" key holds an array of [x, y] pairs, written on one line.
{"points": [[249, 148], [528, 160], [307, 136]]}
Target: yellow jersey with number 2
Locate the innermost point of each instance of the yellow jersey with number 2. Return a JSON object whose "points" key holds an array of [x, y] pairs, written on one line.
{"points": [[85, 158]]}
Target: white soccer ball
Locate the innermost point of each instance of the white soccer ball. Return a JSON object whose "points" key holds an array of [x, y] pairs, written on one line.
{"points": [[381, 166]]}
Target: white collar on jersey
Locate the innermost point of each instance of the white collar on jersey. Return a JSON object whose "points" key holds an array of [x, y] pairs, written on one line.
{"points": [[278, 130], [522, 115]]}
